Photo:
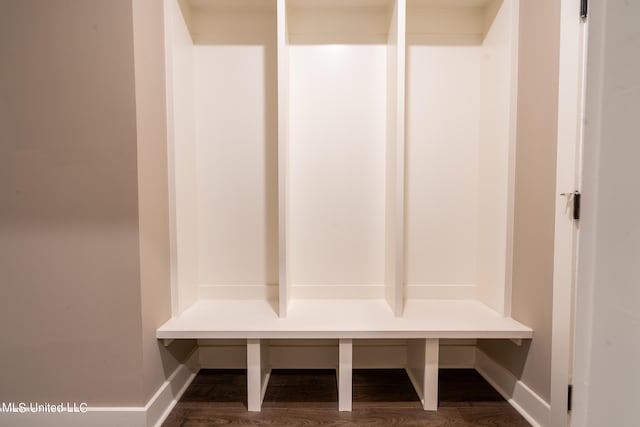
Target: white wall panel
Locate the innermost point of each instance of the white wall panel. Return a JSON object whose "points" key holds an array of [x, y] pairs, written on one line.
{"points": [[337, 163], [181, 158], [442, 164], [226, 145], [236, 164]]}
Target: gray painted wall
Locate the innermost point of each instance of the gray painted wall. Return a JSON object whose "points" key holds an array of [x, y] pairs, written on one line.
{"points": [[83, 259]]}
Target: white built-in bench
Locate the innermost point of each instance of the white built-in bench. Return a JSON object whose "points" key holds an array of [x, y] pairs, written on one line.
{"points": [[423, 323]]}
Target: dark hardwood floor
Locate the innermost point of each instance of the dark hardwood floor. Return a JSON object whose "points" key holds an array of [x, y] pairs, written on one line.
{"points": [[381, 397]]}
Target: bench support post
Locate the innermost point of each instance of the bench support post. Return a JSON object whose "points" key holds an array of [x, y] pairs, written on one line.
{"points": [[258, 373], [345, 369], [422, 368]]}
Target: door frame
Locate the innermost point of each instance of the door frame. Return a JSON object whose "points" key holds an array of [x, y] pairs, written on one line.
{"points": [[572, 65]]}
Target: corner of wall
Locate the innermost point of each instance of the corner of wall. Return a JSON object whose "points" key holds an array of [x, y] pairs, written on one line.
{"points": [[530, 405]]}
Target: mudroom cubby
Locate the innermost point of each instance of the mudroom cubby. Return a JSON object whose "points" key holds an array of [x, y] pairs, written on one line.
{"points": [[343, 171], [460, 90], [223, 155]]}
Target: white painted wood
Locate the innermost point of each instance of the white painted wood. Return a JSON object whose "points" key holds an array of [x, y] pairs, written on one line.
{"points": [[416, 366], [337, 164], [348, 319], [529, 404], [265, 371], [441, 291], [287, 123], [431, 357], [607, 350], [399, 169], [323, 354], [283, 155], [514, 34], [443, 108], [169, 13], [339, 22], [570, 102], [167, 396], [585, 402], [345, 291], [223, 354], [223, 159], [304, 354], [258, 373], [181, 158], [422, 368], [496, 156], [456, 356], [221, 292], [236, 142], [254, 375], [441, 22], [395, 159], [391, 213], [345, 382], [461, 85], [379, 354]]}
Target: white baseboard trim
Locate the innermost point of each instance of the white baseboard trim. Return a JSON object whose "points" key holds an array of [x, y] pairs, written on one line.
{"points": [[262, 292], [162, 403], [152, 414], [531, 406], [376, 291], [462, 291], [95, 417]]}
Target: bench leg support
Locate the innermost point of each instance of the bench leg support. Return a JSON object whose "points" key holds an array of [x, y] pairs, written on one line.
{"points": [[258, 373], [345, 369], [422, 368]]}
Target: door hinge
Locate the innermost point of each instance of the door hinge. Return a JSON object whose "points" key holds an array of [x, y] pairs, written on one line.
{"points": [[569, 397], [576, 205], [576, 197], [584, 9]]}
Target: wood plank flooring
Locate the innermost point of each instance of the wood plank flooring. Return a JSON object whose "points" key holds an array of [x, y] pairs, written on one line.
{"points": [[308, 398]]}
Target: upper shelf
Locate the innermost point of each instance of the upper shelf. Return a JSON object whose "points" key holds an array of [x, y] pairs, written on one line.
{"points": [[209, 319]]}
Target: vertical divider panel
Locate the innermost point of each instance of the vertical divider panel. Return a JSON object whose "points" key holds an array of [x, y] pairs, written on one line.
{"points": [[394, 274], [169, 17], [283, 155], [496, 177], [258, 373], [400, 158], [511, 179], [345, 374], [181, 157]]}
